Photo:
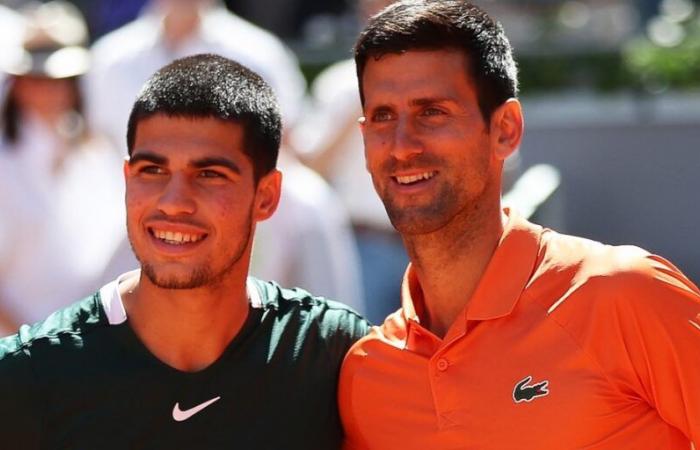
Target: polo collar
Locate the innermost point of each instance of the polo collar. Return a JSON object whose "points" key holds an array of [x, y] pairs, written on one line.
{"points": [[113, 305], [504, 279]]}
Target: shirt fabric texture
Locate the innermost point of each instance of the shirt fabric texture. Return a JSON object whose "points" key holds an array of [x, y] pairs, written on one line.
{"points": [[83, 380], [566, 344]]}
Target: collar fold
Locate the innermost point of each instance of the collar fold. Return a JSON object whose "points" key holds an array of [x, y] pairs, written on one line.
{"points": [[504, 279]]}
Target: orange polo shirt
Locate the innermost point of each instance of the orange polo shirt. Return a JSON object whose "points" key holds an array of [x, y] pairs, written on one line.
{"points": [[566, 344]]}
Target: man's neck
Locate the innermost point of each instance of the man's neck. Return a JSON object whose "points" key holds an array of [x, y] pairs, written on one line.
{"points": [[187, 329], [449, 264]]}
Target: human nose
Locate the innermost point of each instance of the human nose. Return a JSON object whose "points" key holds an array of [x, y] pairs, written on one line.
{"points": [[406, 142], [177, 197]]}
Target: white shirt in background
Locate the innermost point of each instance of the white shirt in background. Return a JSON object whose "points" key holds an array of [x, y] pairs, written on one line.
{"points": [[308, 242], [58, 227], [125, 58]]}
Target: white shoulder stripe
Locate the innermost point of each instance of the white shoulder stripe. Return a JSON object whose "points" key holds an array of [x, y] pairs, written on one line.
{"points": [[112, 299], [253, 294], [114, 306]]}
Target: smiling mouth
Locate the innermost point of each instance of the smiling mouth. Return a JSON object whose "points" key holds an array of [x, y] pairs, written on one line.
{"points": [[413, 179], [176, 237]]}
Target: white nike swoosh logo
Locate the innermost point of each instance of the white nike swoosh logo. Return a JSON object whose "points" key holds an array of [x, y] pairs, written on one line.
{"points": [[180, 415]]}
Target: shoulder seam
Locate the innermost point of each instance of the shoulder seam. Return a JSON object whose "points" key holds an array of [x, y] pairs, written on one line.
{"points": [[576, 342], [61, 331]]}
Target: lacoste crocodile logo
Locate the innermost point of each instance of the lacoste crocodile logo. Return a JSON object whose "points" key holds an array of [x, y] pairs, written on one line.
{"points": [[180, 415], [525, 393]]}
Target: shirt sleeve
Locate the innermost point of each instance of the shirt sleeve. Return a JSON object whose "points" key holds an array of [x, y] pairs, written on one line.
{"points": [[647, 339], [20, 425], [342, 327]]}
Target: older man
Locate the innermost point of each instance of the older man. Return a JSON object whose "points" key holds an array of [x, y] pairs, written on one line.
{"points": [[509, 335]]}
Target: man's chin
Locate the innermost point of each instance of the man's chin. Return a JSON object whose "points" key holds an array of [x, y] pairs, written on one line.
{"points": [[161, 278], [416, 221]]}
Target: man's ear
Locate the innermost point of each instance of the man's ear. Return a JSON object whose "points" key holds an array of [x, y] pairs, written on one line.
{"points": [[507, 128], [267, 195], [125, 167]]}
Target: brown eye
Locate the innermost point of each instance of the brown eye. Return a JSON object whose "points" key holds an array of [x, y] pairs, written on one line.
{"points": [[382, 116], [152, 170], [433, 112], [208, 173]]}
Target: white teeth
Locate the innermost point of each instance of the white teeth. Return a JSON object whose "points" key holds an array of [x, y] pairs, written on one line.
{"points": [[176, 237], [413, 178]]}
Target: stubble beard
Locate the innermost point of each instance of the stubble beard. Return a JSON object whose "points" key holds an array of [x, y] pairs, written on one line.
{"points": [[200, 276], [424, 219], [450, 211]]}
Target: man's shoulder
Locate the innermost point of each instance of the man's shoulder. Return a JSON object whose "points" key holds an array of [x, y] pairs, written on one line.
{"points": [[580, 273], [578, 260], [72, 321], [331, 317]]}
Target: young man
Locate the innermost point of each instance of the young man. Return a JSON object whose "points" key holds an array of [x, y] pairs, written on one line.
{"points": [[509, 335], [188, 352]]}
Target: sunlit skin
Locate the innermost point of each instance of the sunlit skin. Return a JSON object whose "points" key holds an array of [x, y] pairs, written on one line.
{"points": [[422, 119], [192, 205]]}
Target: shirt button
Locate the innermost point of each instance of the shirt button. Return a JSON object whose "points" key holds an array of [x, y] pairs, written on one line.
{"points": [[443, 364]]}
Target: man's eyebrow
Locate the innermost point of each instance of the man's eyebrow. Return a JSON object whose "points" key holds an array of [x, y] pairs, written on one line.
{"points": [[430, 101], [148, 157], [214, 161]]}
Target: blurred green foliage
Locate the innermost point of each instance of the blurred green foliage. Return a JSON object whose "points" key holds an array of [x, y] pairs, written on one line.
{"points": [[639, 65], [666, 67]]}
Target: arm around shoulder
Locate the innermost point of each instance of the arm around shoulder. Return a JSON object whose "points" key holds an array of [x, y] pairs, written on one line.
{"points": [[345, 325]]}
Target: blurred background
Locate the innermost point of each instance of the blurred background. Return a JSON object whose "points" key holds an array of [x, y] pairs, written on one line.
{"points": [[610, 88]]}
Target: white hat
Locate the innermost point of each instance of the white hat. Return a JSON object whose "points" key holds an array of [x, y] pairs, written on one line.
{"points": [[54, 43]]}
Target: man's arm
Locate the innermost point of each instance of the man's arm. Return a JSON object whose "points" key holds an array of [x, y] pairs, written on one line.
{"points": [[668, 357], [647, 339]]}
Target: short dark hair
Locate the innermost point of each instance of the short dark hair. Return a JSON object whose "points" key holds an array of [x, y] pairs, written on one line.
{"points": [[445, 24], [211, 86]]}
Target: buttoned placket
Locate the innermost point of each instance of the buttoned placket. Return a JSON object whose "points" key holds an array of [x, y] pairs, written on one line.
{"points": [[493, 299], [437, 352]]}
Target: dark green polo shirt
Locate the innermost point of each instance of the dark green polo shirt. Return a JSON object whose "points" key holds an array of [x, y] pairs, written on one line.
{"points": [[76, 382]]}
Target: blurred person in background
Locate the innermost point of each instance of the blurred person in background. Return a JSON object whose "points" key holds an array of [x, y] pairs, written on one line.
{"points": [[60, 191], [169, 29], [309, 241], [329, 140], [11, 32]]}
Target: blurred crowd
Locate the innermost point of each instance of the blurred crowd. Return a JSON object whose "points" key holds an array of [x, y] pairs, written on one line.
{"points": [[65, 97], [65, 102]]}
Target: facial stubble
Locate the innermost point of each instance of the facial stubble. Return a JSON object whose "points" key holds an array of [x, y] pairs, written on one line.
{"points": [[199, 276]]}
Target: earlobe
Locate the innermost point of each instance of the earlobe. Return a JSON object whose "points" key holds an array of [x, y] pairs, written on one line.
{"points": [[267, 195], [508, 125], [125, 167]]}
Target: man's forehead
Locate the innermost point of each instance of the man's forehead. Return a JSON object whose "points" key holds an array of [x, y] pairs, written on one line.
{"points": [[416, 74], [174, 136]]}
